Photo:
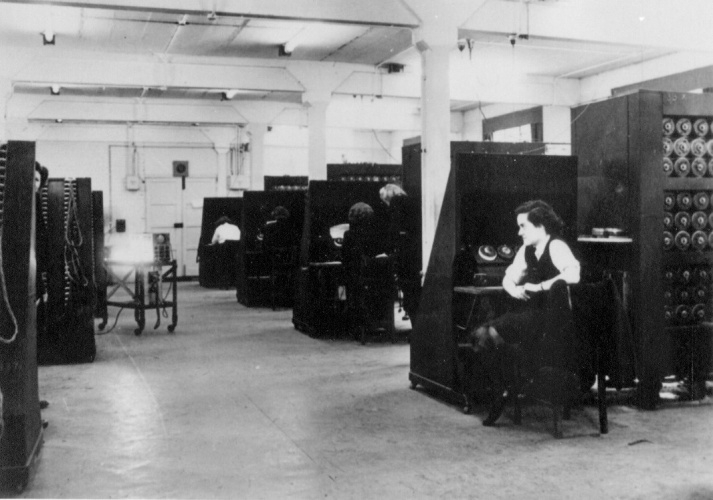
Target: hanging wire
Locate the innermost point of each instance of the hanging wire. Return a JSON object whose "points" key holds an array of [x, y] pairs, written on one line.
{"points": [[3, 286], [382, 146]]}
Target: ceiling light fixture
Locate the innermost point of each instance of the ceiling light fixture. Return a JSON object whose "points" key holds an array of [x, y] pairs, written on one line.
{"points": [[228, 94], [47, 38], [54, 89], [286, 49]]}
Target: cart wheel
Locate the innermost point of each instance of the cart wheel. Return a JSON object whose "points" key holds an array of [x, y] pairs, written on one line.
{"points": [[101, 325], [138, 331], [171, 328]]}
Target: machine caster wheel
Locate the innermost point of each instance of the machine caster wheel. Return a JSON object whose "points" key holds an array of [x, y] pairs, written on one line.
{"points": [[171, 328], [413, 385]]}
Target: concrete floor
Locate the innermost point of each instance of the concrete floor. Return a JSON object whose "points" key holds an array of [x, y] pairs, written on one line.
{"points": [[238, 404]]}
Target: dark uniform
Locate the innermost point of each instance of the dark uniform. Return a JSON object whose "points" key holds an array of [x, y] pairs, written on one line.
{"points": [[404, 243]]}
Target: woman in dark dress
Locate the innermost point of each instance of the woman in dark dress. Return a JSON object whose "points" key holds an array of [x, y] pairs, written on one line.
{"points": [[362, 242], [542, 261], [403, 242]]}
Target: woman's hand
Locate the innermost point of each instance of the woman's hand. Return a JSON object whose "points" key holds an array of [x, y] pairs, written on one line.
{"points": [[519, 292], [532, 288]]}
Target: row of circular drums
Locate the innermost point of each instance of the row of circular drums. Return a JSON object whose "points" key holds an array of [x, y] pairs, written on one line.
{"points": [[685, 126]]}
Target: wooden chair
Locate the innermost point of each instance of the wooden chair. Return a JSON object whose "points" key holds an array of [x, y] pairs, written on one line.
{"points": [[282, 268], [589, 313], [375, 293]]}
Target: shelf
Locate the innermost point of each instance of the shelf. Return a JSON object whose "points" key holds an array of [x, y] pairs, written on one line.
{"points": [[687, 258], [688, 184], [609, 239], [479, 290]]}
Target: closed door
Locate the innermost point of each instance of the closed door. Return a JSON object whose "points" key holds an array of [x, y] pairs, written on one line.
{"points": [[196, 190], [174, 206]]}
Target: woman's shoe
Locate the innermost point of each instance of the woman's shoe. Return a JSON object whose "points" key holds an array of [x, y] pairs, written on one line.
{"points": [[496, 409]]}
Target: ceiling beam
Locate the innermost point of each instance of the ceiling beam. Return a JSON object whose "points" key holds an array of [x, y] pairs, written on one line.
{"points": [[681, 82], [145, 73], [667, 24], [363, 12]]}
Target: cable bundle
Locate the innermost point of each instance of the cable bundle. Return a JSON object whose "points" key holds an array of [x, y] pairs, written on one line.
{"points": [[3, 286]]}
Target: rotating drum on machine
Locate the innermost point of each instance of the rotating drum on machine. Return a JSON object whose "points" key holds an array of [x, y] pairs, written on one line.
{"points": [[682, 167], [682, 240], [668, 221], [700, 127], [698, 313], [684, 200], [699, 241], [668, 126], [487, 253], [683, 313], [699, 221], [701, 200], [699, 167], [505, 252], [668, 240], [682, 221], [684, 275], [683, 126], [669, 201], [681, 146], [698, 147], [668, 166], [668, 146]]}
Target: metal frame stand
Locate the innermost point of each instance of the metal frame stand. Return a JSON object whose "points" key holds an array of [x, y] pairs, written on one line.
{"points": [[137, 297]]}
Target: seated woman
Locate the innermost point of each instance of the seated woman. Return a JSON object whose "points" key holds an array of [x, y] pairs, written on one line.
{"points": [[543, 260], [403, 242], [361, 241], [225, 230], [278, 232]]}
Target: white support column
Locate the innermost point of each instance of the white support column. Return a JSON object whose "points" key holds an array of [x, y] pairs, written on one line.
{"points": [[319, 81], [316, 104], [257, 155], [223, 152], [434, 40], [556, 124]]}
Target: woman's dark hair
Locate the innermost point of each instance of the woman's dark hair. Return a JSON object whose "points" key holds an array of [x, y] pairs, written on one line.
{"points": [[223, 220], [280, 212], [542, 214], [360, 212], [44, 173]]}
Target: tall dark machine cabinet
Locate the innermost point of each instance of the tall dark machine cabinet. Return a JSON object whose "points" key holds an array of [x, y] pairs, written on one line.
{"points": [[22, 433], [71, 289], [481, 195], [646, 167], [100, 276], [411, 159]]}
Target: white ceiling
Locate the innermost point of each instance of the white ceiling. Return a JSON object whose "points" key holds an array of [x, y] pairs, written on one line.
{"points": [[369, 32]]}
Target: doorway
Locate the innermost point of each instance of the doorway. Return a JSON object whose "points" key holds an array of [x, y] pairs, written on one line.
{"points": [[174, 205]]}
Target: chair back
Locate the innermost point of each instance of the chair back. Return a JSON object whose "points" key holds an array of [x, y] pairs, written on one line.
{"points": [[282, 257]]}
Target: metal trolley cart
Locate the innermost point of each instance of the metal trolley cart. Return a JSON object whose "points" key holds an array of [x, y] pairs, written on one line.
{"points": [[149, 279]]}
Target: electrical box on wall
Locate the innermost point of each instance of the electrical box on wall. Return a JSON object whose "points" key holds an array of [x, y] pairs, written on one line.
{"points": [[133, 183], [180, 168]]}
